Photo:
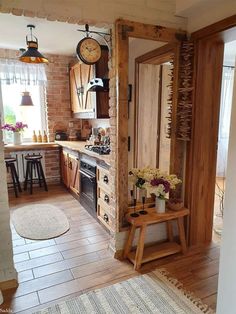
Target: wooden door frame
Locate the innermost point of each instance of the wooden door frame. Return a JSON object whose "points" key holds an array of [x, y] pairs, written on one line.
{"points": [[201, 169], [123, 30], [159, 56]]}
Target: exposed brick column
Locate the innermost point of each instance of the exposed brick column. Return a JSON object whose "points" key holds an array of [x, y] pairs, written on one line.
{"points": [[113, 139], [58, 94]]}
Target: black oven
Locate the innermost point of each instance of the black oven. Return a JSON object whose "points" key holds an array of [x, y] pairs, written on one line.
{"points": [[88, 186]]}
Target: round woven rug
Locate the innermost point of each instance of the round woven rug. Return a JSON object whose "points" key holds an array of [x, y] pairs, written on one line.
{"points": [[39, 221]]}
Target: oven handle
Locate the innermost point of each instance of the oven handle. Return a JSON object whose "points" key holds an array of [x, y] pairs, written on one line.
{"points": [[91, 178]]}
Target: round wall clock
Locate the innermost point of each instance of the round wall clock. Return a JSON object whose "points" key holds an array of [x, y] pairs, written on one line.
{"points": [[88, 50]]}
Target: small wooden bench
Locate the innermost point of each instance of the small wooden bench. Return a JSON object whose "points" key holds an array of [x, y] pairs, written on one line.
{"points": [[142, 255]]}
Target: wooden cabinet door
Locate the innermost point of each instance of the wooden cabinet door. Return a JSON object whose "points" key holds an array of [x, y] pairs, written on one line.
{"points": [[74, 96], [64, 168], [82, 101], [74, 178]]}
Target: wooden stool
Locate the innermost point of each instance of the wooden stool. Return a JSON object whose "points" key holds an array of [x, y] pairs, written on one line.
{"points": [[34, 165], [10, 164], [142, 255]]}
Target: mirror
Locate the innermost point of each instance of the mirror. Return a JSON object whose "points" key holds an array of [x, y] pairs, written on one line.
{"points": [[151, 75]]}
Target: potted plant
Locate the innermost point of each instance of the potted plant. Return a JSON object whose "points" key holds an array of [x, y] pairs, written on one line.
{"points": [[16, 128]]}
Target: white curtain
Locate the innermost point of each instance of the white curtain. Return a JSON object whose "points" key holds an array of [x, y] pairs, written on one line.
{"points": [[224, 125], [14, 71]]}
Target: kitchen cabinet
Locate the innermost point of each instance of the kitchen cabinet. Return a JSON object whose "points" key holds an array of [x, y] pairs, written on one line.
{"points": [[105, 213], [83, 102], [70, 171], [73, 170], [89, 104], [64, 168]]}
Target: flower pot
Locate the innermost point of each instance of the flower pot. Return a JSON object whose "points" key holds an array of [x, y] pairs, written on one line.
{"points": [[16, 138], [160, 205]]}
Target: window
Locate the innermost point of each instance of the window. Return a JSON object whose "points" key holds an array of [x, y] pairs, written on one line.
{"points": [[33, 116], [15, 78]]}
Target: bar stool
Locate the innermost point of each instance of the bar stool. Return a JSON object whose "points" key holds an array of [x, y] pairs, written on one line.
{"points": [[34, 166], [10, 164]]}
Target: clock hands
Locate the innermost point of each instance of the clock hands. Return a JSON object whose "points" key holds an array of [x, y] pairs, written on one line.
{"points": [[90, 49]]}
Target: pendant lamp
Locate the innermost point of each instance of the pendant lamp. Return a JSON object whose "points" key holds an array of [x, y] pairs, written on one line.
{"points": [[26, 99], [32, 55]]}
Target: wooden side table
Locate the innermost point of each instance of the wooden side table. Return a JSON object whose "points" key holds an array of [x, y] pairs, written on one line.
{"points": [[142, 255]]}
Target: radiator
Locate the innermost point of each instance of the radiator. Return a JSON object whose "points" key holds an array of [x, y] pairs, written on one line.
{"points": [[21, 162]]}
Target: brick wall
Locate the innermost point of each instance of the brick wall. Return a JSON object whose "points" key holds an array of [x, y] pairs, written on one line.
{"points": [[52, 165], [58, 94], [7, 270]]}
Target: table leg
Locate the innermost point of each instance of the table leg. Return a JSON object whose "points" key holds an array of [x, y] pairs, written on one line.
{"points": [[169, 229], [140, 248], [180, 222], [128, 244]]}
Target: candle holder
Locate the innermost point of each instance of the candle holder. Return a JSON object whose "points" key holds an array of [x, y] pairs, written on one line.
{"points": [[132, 197], [143, 212], [134, 214]]}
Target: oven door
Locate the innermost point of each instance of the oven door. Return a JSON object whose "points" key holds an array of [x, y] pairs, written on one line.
{"points": [[88, 191]]}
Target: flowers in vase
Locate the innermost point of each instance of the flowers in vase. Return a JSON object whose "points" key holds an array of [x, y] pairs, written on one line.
{"points": [[155, 181], [18, 127]]}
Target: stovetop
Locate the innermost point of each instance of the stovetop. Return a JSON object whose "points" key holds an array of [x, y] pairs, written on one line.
{"points": [[99, 149]]}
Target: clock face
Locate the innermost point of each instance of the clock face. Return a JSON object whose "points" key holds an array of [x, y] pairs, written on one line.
{"points": [[88, 50]]}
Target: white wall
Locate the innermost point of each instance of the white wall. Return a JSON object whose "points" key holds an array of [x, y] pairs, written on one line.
{"points": [[7, 270], [201, 13], [226, 301]]}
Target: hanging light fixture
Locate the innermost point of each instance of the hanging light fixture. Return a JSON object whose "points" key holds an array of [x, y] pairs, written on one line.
{"points": [[32, 55], [26, 99]]}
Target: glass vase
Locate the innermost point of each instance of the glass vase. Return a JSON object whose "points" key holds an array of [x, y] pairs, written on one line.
{"points": [[160, 205], [16, 138]]}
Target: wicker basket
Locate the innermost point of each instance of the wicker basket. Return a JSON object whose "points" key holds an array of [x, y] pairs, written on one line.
{"points": [[175, 206]]}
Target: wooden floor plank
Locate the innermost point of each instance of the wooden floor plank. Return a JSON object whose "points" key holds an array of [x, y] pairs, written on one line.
{"points": [[78, 261]]}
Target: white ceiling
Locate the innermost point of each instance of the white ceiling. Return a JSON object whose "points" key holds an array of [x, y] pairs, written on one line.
{"points": [[53, 37]]}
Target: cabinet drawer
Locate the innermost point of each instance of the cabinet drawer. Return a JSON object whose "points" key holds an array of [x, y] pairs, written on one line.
{"points": [[104, 216], [103, 179], [104, 195]]}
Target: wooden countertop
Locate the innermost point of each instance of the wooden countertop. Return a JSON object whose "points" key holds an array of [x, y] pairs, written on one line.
{"points": [[29, 146], [79, 146]]}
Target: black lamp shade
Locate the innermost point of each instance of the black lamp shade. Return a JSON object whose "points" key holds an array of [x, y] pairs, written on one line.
{"points": [[26, 99], [32, 55]]}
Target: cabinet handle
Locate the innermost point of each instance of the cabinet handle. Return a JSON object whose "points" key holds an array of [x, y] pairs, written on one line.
{"points": [[105, 179], [106, 198], [106, 218], [70, 165]]}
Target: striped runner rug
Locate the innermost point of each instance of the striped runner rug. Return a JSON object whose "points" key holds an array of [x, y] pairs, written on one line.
{"points": [[156, 292]]}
